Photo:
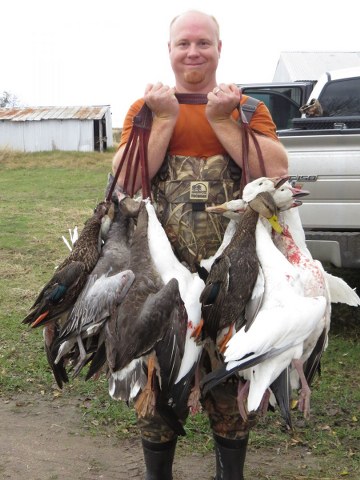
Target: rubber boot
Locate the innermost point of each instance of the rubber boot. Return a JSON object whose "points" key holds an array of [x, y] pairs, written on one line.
{"points": [[159, 459], [230, 458]]}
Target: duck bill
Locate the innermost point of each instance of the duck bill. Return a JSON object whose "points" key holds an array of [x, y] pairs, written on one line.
{"points": [[274, 222]]}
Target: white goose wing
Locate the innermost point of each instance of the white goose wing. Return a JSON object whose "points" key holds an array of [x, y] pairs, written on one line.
{"points": [[340, 291]]}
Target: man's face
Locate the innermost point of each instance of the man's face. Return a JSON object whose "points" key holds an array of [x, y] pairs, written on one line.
{"points": [[194, 49]]}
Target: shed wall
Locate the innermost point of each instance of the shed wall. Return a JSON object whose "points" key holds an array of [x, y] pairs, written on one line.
{"points": [[36, 136]]}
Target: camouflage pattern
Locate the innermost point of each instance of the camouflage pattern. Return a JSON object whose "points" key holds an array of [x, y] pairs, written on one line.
{"points": [[223, 411], [182, 189], [154, 429]]}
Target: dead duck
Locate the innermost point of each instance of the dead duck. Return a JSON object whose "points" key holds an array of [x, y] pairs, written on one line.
{"points": [[146, 331], [105, 288], [233, 274], [61, 292]]}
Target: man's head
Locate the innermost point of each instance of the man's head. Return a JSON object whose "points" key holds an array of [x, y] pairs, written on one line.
{"points": [[194, 49]]}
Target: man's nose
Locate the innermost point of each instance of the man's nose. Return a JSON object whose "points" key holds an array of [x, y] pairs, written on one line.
{"points": [[193, 50]]}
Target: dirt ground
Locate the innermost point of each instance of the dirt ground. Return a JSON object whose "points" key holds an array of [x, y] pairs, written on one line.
{"points": [[46, 440]]}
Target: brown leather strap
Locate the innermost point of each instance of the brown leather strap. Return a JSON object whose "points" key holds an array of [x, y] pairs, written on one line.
{"points": [[247, 132]]}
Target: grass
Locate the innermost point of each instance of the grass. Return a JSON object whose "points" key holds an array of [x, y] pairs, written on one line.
{"points": [[41, 196]]}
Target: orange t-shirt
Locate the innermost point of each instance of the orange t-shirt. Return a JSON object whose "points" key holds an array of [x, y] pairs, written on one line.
{"points": [[193, 135]]}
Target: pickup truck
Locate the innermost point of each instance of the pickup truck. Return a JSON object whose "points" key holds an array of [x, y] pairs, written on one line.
{"points": [[324, 158]]}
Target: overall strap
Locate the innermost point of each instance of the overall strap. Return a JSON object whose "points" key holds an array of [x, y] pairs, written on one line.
{"points": [[248, 108]]}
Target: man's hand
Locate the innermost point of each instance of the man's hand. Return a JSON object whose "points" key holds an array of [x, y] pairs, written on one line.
{"points": [[162, 101], [222, 101]]}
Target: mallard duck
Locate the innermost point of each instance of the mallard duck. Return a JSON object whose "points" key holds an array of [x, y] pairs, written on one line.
{"points": [[148, 327], [61, 292], [105, 288], [233, 273], [190, 287]]}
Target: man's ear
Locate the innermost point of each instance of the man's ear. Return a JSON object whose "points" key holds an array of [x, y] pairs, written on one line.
{"points": [[219, 47], [169, 46]]}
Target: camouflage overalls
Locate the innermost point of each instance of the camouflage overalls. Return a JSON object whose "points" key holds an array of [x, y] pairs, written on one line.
{"points": [[182, 189]]}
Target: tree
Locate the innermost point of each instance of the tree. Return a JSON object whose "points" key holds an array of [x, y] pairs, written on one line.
{"points": [[8, 99]]}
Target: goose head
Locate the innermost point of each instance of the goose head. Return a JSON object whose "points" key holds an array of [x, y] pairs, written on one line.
{"points": [[287, 196], [230, 209], [262, 184]]}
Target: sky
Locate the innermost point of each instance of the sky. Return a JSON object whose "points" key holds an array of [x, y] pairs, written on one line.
{"points": [[104, 52]]}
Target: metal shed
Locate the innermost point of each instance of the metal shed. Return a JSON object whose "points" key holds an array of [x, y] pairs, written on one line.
{"points": [[34, 129], [297, 66]]}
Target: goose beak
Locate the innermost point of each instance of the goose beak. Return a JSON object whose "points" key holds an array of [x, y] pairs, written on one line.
{"points": [[274, 222], [217, 208], [279, 181], [296, 203], [298, 192]]}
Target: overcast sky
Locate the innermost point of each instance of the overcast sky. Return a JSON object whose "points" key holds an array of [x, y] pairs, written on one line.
{"points": [[104, 52]]}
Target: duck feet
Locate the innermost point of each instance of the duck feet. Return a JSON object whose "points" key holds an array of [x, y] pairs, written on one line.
{"points": [[145, 404]]}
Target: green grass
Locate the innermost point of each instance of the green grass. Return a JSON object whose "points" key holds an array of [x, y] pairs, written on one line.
{"points": [[41, 196]]}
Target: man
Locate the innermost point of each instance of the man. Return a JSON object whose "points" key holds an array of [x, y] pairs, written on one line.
{"points": [[195, 156]]}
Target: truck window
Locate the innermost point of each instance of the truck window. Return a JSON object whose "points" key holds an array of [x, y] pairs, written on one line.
{"points": [[341, 97], [283, 103]]}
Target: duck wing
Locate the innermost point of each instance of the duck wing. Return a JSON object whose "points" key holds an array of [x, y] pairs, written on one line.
{"points": [[92, 309], [214, 294], [154, 327]]}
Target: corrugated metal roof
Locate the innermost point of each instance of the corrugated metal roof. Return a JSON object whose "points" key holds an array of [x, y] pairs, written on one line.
{"points": [[55, 113], [310, 65]]}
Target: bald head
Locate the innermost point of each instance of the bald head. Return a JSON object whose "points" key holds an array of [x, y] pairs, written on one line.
{"points": [[195, 16], [194, 49]]}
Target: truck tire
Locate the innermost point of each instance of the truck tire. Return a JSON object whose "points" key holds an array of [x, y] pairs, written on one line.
{"points": [[344, 316]]}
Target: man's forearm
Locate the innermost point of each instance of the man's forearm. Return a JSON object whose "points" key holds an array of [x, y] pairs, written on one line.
{"points": [[275, 157]]}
